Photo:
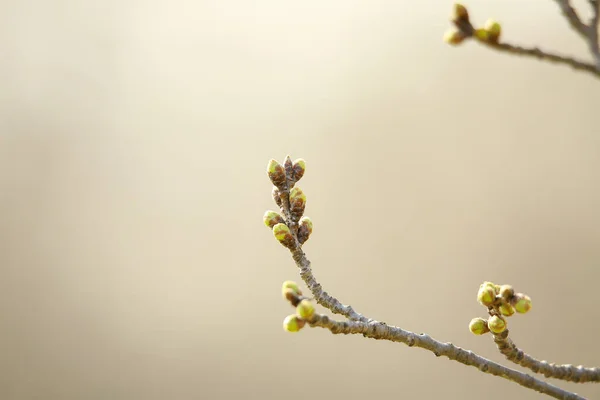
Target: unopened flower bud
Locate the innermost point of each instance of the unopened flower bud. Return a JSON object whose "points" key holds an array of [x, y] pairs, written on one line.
{"points": [[478, 326], [276, 173], [506, 292], [486, 294], [298, 169], [482, 35], [521, 302], [506, 309], [272, 218], [284, 235], [305, 309], [454, 37], [293, 323], [297, 202], [493, 29], [496, 324], [460, 13], [305, 228], [290, 285]]}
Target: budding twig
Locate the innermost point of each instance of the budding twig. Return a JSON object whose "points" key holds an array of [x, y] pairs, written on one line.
{"points": [[287, 233], [489, 36], [566, 372], [381, 331]]}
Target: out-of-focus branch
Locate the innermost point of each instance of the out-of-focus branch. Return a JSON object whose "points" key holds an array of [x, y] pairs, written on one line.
{"points": [[566, 372], [489, 36], [593, 32]]}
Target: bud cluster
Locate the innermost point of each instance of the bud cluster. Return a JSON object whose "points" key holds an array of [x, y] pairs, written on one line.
{"points": [[304, 308], [501, 301], [291, 201], [463, 28]]}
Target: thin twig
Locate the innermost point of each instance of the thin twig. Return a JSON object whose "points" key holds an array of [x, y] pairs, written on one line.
{"points": [[381, 331], [566, 372], [572, 17], [593, 32], [544, 56]]}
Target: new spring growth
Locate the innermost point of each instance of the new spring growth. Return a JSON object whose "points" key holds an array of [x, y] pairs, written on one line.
{"points": [[298, 169], [305, 228], [297, 203], [478, 326], [291, 292], [293, 323], [459, 14], [521, 303], [272, 218], [305, 309], [283, 234], [486, 294], [276, 174], [454, 36], [496, 324], [493, 30]]}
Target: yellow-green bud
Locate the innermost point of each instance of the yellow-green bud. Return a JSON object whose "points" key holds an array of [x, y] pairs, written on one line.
{"points": [[506, 309], [493, 29], [496, 324], [460, 13], [298, 169], [291, 285], [284, 235], [305, 228], [297, 202], [486, 294], [482, 35], [521, 302], [478, 326], [305, 309], [454, 37], [276, 173], [507, 292], [293, 323], [272, 218]]}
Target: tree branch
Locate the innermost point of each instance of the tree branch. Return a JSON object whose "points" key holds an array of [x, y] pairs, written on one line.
{"points": [[292, 230], [544, 56], [490, 36], [381, 331], [566, 372]]}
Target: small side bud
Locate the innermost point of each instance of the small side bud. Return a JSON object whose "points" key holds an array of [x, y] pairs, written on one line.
{"points": [[297, 202], [298, 169], [305, 309], [506, 309], [493, 29], [454, 37], [506, 292], [276, 196], [272, 218], [293, 323], [478, 326], [482, 35], [290, 285], [486, 294], [276, 173], [496, 324], [521, 302], [460, 13], [305, 228], [284, 235]]}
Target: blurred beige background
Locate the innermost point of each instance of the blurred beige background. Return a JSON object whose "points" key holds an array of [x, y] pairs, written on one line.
{"points": [[134, 141]]}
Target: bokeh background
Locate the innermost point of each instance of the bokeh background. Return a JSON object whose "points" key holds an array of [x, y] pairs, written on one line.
{"points": [[134, 141]]}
